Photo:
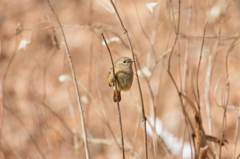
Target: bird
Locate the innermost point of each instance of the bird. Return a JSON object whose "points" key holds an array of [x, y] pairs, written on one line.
{"points": [[124, 76]]}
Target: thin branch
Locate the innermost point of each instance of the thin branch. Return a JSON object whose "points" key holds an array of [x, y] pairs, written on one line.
{"points": [[238, 156], [114, 83], [103, 106], [127, 146], [75, 83], [153, 110], [187, 49], [169, 61], [170, 56], [81, 27], [154, 34], [186, 68], [61, 120], [88, 106], [139, 86], [199, 63], [170, 74], [108, 8], [215, 92], [91, 140], [208, 83], [208, 77], [226, 97], [28, 132], [44, 74], [149, 59], [235, 138], [4, 79], [181, 35], [171, 13], [145, 34], [224, 118], [195, 37]]}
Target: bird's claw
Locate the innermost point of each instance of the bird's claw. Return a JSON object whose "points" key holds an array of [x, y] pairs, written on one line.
{"points": [[116, 98], [114, 79]]}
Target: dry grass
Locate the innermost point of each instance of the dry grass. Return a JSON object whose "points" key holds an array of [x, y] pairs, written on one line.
{"points": [[40, 116]]}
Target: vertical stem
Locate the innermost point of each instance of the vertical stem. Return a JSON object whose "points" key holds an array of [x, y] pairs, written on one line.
{"points": [[187, 49], [75, 83], [139, 86], [154, 33], [149, 59], [199, 63], [208, 83], [235, 138], [142, 104], [227, 87], [119, 112], [4, 80]]}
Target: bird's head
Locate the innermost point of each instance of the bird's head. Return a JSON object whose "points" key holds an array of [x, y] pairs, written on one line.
{"points": [[124, 62]]}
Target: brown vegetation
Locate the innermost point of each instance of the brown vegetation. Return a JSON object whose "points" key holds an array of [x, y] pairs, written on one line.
{"points": [[186, 74]]}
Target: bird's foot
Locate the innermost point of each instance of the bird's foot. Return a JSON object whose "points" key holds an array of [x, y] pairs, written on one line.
{"points": [[114, 79], [116, 99]]}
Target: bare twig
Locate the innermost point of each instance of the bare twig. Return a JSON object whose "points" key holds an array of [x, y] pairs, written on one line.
{"points": [[235, 138], [224, 118], [4, 78], [6, 148], [44, 74], [127, 146], [207, 98], [28, 132], [158, 137], [187, 49], [181, 35], [169, 66], [81, 27], [171, 14], [208, 83], [153, 111], [91, 140], [173, 46], [194, 37], [149, 64], [152, 48], [108, 7], [186, 69], [154, 34], [215, 92], [114, 83], [199, 63], [139, 86], [226, 96], [103, 106], [90, 60], [238, 156], [208, 77], [61, 120], [75, 83], [169, 63], [89, 78], [174, 82]]}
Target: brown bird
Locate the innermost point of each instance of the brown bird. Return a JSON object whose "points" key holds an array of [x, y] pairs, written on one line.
{"points": [[124, 76]]}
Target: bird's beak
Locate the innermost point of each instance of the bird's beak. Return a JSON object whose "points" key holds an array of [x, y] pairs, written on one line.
{"points": [[133, 61]]}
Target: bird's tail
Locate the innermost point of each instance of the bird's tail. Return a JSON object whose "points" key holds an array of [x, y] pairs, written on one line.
{"points": [[115, 98]]}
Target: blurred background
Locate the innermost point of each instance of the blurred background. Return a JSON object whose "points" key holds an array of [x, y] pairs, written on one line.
{"points": [[40, 117]]}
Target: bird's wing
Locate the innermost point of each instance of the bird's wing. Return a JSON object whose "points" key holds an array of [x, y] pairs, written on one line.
{"points": [[110, 78], [109, 72]]}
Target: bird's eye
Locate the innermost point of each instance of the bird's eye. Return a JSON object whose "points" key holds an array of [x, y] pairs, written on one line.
{"points": [[124, 61]]}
